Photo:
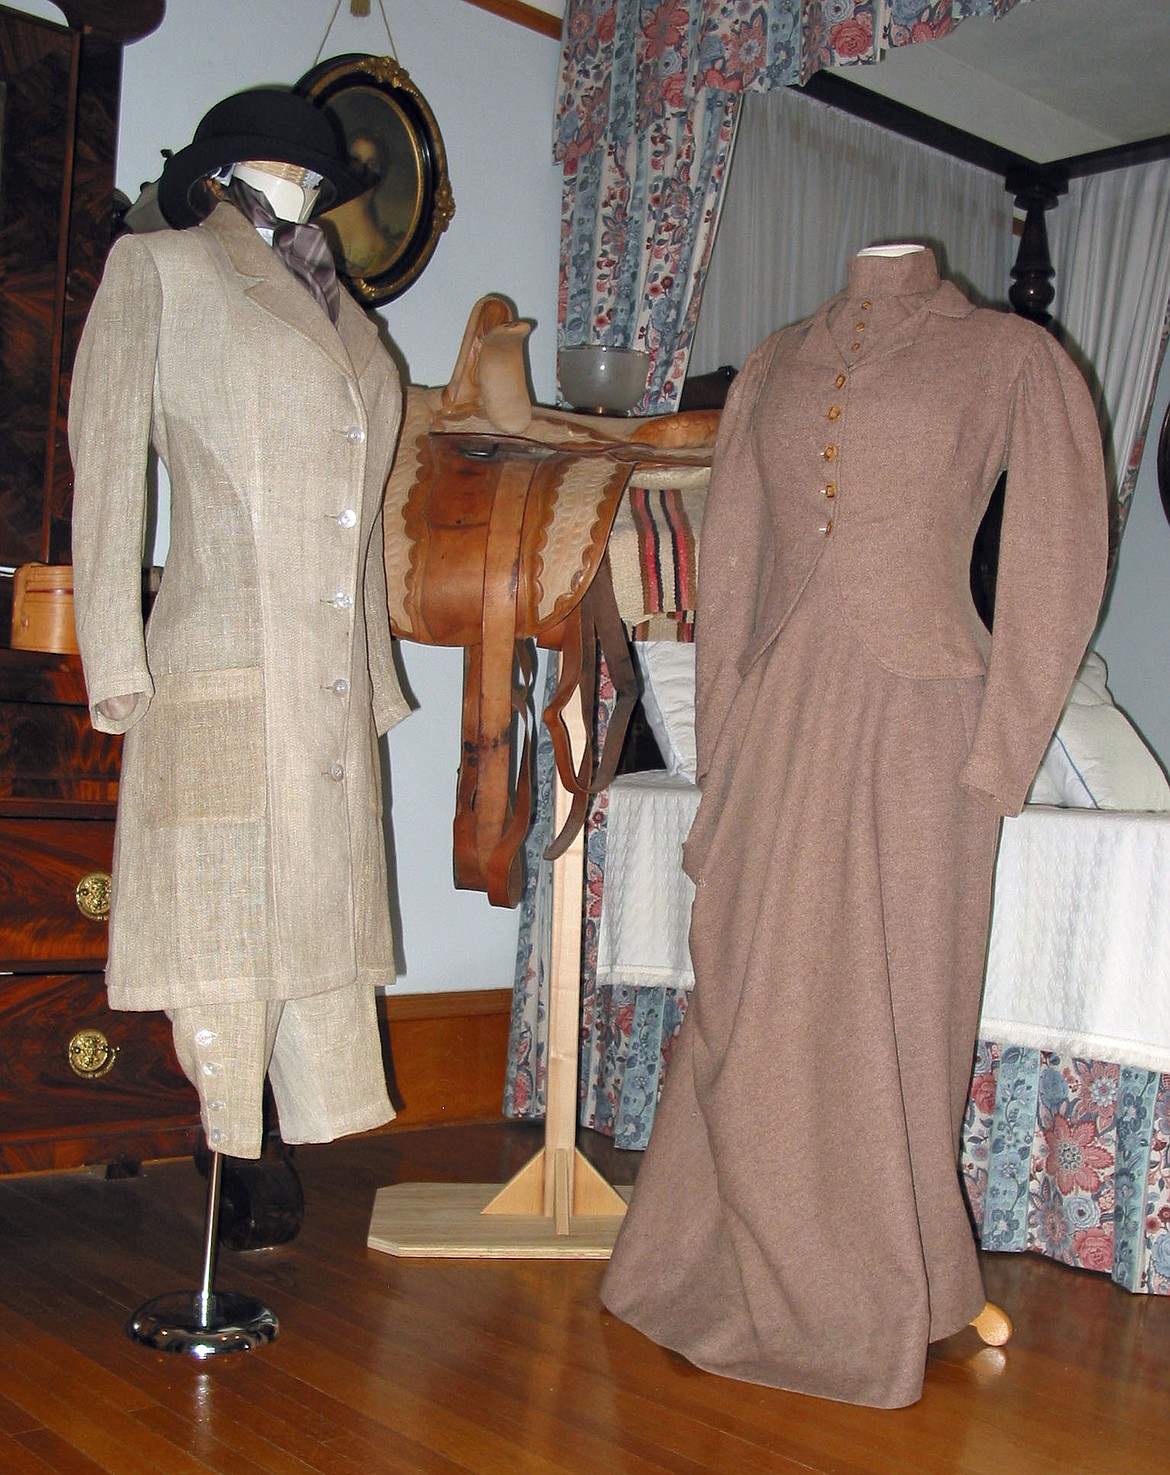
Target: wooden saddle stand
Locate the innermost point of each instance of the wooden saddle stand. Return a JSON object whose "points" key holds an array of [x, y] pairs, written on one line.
{"points": [[497, 517], [507, 510]]}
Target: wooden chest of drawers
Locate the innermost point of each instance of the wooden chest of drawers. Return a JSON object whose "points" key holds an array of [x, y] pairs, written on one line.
{"points": [[66, 1098], [79, 1083]]}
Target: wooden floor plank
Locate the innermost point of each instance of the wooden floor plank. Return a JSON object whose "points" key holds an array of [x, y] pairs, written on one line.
{"points": [[29, 1346], [536, 1376], [14, 1420], [562, 1394], [49, 1451], [231, 1446], [109, 1438], [17, 1459], [411, 1367]]}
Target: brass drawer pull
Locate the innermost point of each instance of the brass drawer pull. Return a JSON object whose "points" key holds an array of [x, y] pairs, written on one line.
{"points": [[90, 1054], [93, 895]]}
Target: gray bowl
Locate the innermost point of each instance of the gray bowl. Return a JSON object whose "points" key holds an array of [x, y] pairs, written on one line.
{"points": [[605, 380]]}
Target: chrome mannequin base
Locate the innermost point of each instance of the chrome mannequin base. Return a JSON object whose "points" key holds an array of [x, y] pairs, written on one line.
{"points": [[184, 1322], [205, 1322]]}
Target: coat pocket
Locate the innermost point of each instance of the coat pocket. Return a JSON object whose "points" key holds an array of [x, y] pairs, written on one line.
{"points": [[202, 748]]}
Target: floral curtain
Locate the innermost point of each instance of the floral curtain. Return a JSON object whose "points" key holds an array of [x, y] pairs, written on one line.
{"points": [[647, 107], [637, 227], [622, 60]]}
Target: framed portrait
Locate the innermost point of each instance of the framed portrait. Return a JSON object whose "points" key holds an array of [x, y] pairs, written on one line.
{"points": [[1164, 465], [384, 237]]}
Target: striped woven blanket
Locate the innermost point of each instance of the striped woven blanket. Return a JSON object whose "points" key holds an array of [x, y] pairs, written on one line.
{"points": [[654, 553]]}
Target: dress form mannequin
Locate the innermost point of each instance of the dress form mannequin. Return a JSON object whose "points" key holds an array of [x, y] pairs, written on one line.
{"points": [[769, 1279], [252, 698], [290, 190], [900, 249]]}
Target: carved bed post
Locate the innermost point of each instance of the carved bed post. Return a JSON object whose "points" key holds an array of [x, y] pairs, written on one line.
{"points": [[1036, 191]]}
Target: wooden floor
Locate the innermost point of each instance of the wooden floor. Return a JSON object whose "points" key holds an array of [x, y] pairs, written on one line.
{"points": [[387, 1365]]}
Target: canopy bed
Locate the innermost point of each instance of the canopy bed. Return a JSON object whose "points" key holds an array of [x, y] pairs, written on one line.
{"points": [[1065, 1147]]}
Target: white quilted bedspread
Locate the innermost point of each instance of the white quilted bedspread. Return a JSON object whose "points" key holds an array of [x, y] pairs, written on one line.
{"points": [[1079, 957], [646, 903]]}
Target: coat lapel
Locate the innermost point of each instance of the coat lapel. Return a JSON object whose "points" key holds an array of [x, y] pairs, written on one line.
{"points": [[358, 333], [829, 335], [818, 346], [271, 286]]}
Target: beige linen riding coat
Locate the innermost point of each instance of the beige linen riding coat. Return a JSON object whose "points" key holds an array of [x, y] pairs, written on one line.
{"points": [[249, 856]]}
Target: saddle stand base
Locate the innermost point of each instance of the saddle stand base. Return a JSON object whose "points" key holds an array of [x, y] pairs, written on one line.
{"points": [[485, 1221], [558, 1206]]}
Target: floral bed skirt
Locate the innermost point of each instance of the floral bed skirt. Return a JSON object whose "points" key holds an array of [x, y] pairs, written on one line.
{"points": [[1069, 1158]]}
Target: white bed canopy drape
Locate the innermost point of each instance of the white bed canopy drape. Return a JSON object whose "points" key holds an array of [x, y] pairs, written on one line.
{"points": [[1110, 244], [811, 186]]}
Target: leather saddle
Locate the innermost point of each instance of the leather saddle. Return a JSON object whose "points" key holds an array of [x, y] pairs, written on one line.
{"points": [[497, 518]]}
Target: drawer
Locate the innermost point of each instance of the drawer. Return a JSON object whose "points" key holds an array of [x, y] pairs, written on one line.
{"points": [[42, 864], [72, 1069], [50, 753]]}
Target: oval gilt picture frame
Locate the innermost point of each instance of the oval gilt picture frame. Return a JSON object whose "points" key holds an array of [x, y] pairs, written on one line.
{"points": [[384, 238]]}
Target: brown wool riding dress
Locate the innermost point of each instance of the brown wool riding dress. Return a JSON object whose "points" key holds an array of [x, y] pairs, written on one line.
{"points": [[798, 1219]]}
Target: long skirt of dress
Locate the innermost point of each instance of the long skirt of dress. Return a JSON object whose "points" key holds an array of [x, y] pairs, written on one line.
{"points": [[798, 1219]]}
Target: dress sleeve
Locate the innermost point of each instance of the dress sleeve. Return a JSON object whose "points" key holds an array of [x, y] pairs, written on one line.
{"points": [[1051, 574], [735, 561], [110, 410]]}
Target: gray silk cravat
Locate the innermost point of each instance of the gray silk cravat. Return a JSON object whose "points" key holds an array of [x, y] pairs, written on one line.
{"points": [[304, 249]]}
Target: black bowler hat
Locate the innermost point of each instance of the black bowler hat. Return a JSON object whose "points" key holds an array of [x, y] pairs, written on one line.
{"points": [[261, 123]]}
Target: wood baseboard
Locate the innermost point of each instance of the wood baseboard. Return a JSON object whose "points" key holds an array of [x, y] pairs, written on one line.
{"points": [[447, 1056]]}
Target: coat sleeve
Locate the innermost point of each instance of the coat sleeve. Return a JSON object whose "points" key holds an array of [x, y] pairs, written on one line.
{"points": [[390, 705], [1051, 573], [736, 559], [110, 410]]}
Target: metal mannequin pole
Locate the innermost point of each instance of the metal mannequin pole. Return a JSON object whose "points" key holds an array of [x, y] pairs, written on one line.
{"points": [[205, 1322]]}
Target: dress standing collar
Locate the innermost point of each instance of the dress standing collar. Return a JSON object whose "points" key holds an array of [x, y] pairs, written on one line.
{"points": [[912, 275]]}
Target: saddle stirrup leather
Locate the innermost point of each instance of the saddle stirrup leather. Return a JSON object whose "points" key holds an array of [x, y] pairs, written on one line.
{"points": [[497, 518]]}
